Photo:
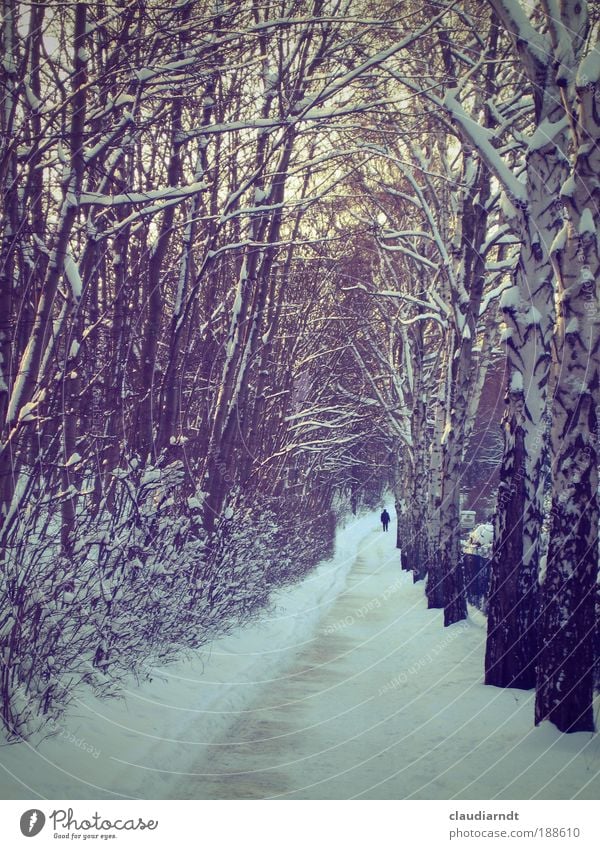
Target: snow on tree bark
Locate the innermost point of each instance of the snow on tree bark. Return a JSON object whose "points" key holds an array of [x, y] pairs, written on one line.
{"points": [[467, 296], [528, 308], [568, 620]]}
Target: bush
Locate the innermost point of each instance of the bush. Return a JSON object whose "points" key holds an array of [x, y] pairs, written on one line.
{"points": [[140, 586]]}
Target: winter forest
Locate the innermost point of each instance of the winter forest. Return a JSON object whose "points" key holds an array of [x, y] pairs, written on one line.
{"points": [[266, 266]]}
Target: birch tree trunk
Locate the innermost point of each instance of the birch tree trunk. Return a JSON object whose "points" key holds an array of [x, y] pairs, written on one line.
{"points": [[529, 314], [434, 581], [528, 310], [419, 551], [565, 669], [467, 302]]}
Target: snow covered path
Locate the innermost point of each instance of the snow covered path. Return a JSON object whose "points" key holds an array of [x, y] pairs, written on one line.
{"points": [[348, 688], [386, 703]]}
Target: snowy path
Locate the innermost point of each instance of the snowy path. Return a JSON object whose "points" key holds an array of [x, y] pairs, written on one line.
{"points": [[348, 688], [385, 703]]}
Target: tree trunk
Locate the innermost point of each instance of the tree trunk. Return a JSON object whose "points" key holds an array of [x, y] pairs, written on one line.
{"points": [[435, 599], [28, 377], [565, 670], [529, 317], [466, 294]]}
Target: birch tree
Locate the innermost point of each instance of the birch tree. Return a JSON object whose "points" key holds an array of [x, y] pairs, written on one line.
{"points": [[565, 680], [528, 309]]}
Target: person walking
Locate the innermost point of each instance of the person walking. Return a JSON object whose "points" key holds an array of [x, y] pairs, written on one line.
{"points": [[385, 519]]}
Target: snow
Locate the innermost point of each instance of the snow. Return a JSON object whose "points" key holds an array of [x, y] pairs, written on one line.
{"points": [[586, 222], [568, 187], [73, 276], [482, 139], [6, 628], [518, 22], [259, 195], [19, 492], [470, 172], [200, 695], [143, 74], [507, 207], [480, 540], [560, 240], [349, 688], [35, 103], [546, 132], [166, 193], [532, 316], [26, 413], [491, 295], [572, 325], [235, 312], [19, 385], [509, 300], [516, 382], [150, 476], [122, 100], [589, 69]]}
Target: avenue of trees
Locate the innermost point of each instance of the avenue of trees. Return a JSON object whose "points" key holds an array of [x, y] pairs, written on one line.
{"points": [[258, 261]]}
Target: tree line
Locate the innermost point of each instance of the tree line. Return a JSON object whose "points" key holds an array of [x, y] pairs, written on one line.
{"points": [[255, 258]]}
